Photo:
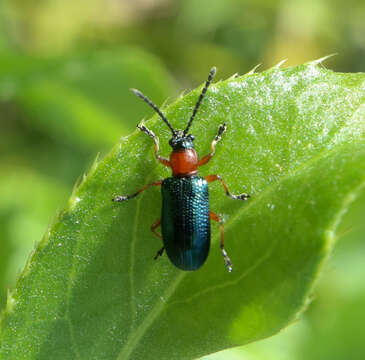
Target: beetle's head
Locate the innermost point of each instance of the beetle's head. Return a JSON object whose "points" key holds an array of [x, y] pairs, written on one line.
{"points": [[181, 142]]}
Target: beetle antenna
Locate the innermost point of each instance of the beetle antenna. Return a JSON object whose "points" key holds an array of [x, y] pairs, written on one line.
{"points": [[154, 107], [210, 78]]}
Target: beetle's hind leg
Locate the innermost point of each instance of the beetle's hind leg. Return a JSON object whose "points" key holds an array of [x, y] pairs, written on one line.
{"points": [[159, 253], [227, 260], [154, 226]]}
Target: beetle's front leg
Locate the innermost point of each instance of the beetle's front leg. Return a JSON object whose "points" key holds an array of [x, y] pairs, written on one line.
{"points": [[151, 134], [121, 198], [211, 178], [222, 128]]}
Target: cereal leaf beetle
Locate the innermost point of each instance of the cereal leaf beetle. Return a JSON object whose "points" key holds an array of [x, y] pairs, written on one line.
{"points": [[185, 220]]}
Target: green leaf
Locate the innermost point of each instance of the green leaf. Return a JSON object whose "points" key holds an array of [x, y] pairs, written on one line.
{"points": [[337, 307], [91, 290]]}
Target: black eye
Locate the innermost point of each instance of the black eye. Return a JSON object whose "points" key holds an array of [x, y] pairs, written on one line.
{"points": [[192, 137]]}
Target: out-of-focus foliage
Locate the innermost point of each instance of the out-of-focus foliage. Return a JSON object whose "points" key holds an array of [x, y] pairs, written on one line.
{"points": [[65, 70], [188, 35]]}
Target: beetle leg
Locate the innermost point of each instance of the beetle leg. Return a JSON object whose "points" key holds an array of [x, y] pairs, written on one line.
{"points": [[159, 253], [154, 226], [121, 198], [151, 134], [211, 178], [227, 260], [222, 128]]}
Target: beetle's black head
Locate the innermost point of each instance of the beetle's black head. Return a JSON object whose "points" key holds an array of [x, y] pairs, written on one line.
{"points": [[181, 142]]}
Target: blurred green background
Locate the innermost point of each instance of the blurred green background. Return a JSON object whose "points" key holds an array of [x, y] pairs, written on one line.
{"points": [[65, 71]]}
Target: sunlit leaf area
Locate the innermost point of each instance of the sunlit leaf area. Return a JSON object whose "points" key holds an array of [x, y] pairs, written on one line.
{"points": [[77, 275]]}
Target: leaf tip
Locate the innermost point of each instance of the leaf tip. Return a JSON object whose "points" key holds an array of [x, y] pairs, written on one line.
{"points": [[322, 59], [278, 65], [95, 163], [253, 70], [74, 199]]}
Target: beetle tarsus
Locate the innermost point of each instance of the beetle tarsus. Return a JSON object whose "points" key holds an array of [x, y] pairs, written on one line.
{"points": [[227, 260], [121, 198], [222, 129], [243, 196], [159, 253], [146, 130], [151, 134]]}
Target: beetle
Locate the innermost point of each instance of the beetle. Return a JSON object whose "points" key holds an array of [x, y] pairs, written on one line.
{"points": [[185, 218]]}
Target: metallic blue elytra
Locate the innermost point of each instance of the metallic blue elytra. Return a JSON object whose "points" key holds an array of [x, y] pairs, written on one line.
{"points": [[185, 221]]}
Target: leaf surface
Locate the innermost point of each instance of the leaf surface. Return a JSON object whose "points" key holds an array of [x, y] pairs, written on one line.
{"points": [[91, 290]]}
